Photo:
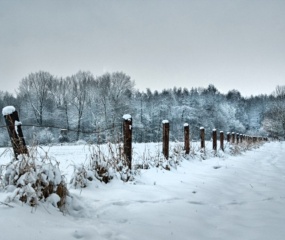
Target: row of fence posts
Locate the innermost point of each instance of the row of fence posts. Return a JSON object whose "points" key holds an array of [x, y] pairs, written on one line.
{"points": [[19, 146], [234, 138]]}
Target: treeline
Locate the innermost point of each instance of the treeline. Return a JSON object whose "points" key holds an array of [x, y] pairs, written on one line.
{"points": [[91, 109]]}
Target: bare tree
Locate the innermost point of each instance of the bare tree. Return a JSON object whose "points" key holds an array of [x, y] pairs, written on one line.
{"points": [[79, 95], [280, 92], [113, 94], [61, 93], [36, 89], [274, 119]]}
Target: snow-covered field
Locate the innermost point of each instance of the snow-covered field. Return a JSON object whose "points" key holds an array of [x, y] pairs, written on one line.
{"points": [[226, 197]]}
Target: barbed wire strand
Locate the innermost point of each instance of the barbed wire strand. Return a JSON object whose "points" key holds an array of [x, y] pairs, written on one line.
{"points": [[71, 130]]}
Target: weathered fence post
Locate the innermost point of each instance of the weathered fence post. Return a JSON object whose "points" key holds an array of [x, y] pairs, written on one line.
{"points": [[228, 137], [233, 137], [165, 138], [222, 140], [127, 131], [214, 139], [186, 138], [202, 136], [15, 131], [237, 138], [63, 135], [241, 138]]}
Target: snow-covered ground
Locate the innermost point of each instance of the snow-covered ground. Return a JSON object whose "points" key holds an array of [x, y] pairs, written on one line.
{"points": [[226, 197]]}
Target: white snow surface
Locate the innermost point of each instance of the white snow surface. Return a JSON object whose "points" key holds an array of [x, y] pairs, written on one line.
{"points": [[165, 121], [8, 110], [226, 197]]}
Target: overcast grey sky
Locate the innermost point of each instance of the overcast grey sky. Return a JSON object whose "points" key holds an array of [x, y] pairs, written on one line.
{"points": [[233, 44]]}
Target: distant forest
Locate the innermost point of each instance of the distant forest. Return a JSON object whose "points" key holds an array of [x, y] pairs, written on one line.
{"points": [[91, 109]]}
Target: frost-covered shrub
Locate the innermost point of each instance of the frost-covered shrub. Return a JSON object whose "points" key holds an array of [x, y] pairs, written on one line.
{"points": [[237, 149], [33, 178], [176, 155], [105, 163], [108, 162], [81, 176], [44, 136]]}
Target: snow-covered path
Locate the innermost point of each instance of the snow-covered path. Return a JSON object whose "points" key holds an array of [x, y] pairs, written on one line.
{"points": [[238, 197]]}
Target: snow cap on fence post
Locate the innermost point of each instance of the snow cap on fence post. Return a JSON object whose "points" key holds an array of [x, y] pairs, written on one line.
{"points": [[8, 110], [127, 116]]}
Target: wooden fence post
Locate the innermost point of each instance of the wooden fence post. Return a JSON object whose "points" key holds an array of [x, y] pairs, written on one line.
{"points": [[250, 139], [165, 138], [202, 136], [233, 137], [186, 138], [214, 139], [222, 140], [127, 131], [15, 131], [63, 135], [241, 138], [228, 137], [237, 136]]}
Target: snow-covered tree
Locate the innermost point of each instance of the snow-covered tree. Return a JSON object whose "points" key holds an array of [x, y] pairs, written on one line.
{"points": [[35, 90], [274, 117]]}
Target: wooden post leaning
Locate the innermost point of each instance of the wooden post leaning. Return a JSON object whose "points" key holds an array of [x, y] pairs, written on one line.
{"points": [[15, 131]]}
